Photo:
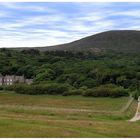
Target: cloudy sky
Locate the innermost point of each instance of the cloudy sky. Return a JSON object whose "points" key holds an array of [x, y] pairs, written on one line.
{"points": [[27, 24]]}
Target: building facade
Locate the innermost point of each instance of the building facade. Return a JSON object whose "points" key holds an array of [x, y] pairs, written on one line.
{"points": [[13, 79]]}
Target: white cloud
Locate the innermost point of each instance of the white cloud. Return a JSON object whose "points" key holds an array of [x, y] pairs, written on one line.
{"points": [[39, 28], [27, 7]]}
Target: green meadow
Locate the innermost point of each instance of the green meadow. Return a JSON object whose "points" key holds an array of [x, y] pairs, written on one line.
{"points": [[66, 116]]}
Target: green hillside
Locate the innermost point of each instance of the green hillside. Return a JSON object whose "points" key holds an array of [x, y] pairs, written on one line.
{"points": [[123, 40], [80, 89], [81, 73], [76, 70], [115, 40]]}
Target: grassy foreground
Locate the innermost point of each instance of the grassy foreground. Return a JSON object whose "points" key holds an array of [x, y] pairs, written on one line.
{"points": [[41, 116]]}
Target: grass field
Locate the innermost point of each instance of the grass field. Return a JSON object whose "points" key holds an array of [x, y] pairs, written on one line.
{"points": [[58, 116]]}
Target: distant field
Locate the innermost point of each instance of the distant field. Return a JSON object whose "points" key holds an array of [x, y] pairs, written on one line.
{"points": [[63, 101], [28, 116]]}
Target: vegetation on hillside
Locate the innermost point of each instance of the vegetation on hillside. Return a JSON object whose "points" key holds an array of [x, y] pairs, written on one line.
{"points": [[117, 40], [77, 70]]}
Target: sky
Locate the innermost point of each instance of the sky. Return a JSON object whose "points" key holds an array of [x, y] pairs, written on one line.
{"points": [[35, 24]]}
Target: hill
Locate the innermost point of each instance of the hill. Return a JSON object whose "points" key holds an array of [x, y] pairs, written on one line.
{"points": [[117, 40]]}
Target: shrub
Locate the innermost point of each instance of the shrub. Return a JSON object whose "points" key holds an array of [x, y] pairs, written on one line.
{"points": [[10, 87], [42, 89], [136, 94], [118, 92], [106, 91], [89, 82], [97, 92]]}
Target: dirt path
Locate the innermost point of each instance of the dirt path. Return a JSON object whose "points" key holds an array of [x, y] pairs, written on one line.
{"points": [[137, 115]]}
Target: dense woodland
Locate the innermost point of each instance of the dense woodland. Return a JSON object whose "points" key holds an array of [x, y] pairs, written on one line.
{"points": [[76, 70]]}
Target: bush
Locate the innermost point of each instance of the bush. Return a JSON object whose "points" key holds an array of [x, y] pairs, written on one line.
{"points": [[73, 92], [118, 92], [106, 91], [136, 94], [42, 89], [10, 87]]}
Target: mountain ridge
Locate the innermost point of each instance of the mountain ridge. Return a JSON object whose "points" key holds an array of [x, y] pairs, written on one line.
{"points": [[114, 40]]}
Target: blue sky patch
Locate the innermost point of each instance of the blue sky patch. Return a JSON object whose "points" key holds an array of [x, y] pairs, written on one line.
{"points": [[31, 24]]}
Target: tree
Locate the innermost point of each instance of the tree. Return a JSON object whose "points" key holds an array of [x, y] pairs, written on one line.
{"points": [[49, 74]]}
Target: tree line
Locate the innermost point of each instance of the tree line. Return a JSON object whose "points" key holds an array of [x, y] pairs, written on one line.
{"points": [[80, 70]]}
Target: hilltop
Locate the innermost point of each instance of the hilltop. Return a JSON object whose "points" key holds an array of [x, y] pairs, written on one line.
{"points": [[117, 40], [114, 40]]}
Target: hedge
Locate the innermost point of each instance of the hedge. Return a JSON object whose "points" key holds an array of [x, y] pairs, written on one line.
{"points": [[66, 89], [136, 94], [106, 91], [39, 89]]}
